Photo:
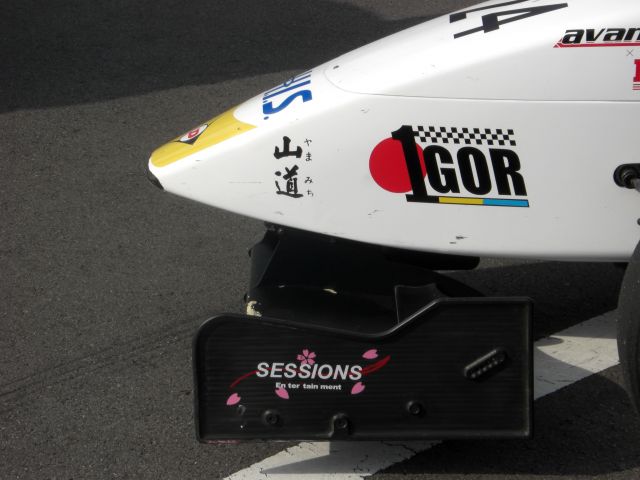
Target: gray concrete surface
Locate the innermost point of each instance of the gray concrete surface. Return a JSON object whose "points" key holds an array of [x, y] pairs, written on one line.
{"points": [[104, 279]]}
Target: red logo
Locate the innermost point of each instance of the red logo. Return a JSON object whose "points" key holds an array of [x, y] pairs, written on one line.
{"points": [[192, 136], [636, 79]]}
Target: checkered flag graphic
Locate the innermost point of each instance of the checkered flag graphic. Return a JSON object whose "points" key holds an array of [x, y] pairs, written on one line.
{"points": [[465, 136]]}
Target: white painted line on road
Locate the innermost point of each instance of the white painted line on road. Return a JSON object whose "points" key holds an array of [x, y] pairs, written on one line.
{"points": [[574, 354], [559, 360], [331, 460]]}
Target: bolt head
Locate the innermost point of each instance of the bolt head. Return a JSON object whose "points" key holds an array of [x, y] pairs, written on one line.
{"points": [[415, 408]]}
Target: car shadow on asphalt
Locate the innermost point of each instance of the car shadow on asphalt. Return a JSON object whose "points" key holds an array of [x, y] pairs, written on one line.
{"points": [[589, 429], [564, 293], [76, 52]]}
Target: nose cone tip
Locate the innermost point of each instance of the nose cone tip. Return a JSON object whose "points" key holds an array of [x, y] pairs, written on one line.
{"points": [[153, 179]]}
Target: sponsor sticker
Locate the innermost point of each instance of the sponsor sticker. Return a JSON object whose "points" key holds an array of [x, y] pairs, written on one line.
{"points": [[451, 165], [280, 97], [599, 37], [307, 373]]}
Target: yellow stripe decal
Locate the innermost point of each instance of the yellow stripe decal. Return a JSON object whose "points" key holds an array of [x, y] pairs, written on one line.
{"points": [[216, 130], [461, 201]]}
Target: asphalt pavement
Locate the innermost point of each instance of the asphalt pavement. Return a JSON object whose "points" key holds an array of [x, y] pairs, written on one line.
{"points": [[104, 278]]}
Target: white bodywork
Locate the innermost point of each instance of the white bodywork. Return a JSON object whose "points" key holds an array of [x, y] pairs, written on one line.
{"points": [[560, 107]]}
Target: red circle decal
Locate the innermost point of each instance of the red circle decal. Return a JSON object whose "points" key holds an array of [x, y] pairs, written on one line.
{"points": [[389, 168]]}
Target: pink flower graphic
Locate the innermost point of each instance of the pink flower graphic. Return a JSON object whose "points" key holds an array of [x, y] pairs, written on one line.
{"points": [[282, 393], [306, 357], [370, 354], [357, 388]]}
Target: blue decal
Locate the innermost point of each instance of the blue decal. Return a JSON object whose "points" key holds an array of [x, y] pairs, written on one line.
{"points": [[293, 84], [500, 202]]}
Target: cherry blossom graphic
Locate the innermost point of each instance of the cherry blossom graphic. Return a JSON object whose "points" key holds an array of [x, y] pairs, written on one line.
{"points": [[282, 393], [306, 357], [233, 399], [370, 354], [357, 388]]}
